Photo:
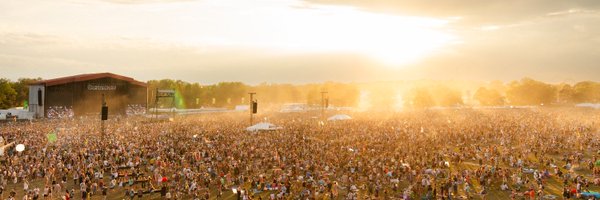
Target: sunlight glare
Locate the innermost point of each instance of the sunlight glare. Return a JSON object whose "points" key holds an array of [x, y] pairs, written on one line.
{"points": [[297, 27]]}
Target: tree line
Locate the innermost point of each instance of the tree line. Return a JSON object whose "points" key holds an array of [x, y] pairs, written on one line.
{"points": [[526, 91], [522, 92], [15, 93], [229, 94]]}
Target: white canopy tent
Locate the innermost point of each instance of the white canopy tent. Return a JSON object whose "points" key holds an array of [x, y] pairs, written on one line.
{"points": [[339, 117], [263, 126], [588, 105]]}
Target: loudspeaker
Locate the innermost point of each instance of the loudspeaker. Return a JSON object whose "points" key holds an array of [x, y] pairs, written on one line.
{"points": [[40, 99], [104, 112], [326, 103], [254, 107]]}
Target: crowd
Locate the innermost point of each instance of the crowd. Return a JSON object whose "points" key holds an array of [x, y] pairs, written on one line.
{"points": [[60, 112], [452, 154], [135, 109]]}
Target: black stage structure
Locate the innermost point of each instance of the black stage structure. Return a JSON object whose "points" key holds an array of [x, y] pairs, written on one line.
{"points": [[82, 94]]}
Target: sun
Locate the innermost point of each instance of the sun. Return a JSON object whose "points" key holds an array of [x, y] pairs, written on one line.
{"points": [[298, 27], [404, 43], [392, 40]]}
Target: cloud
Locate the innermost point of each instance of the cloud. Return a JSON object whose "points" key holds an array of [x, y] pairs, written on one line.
{"points": [[211, 41], [572, 12], [471, 11], [32, 55], [557, 49], [551, 40], [144, 1]]}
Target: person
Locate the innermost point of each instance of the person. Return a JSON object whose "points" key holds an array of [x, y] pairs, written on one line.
{"points": [[483, 193], [168, 195], [163, 192], [75, 178], [12, 195], [530, 193], [104, 192], [504, 186], [57, 188], [467, 190], [47, 192], [25, 185], [67, 195], [83, 189], [513, 194], [26, 196], [84, 193], [36, 193], [131, 193], [566, 193], [140, 193]]}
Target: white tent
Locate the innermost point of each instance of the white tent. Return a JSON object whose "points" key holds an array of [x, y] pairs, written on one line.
{"points": [[588, 105], [263, 126], [339, 117]]}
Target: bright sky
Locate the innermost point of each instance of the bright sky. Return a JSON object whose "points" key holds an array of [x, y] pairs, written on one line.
{"points": [[291, 41]]}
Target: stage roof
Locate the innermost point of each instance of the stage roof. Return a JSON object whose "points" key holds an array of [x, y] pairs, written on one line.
{"points": [[86, 77]]}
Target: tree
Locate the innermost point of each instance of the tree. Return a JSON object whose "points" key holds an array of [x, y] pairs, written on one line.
{"points": [[8, 95], [420, 98], [21, 88], [445, 96], [587, 92], [530, 92], [566, 94], [340, 94], [382, 98], [489, 97], [229, 90]]}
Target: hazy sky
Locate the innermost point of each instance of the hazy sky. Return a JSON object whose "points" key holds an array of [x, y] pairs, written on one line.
{"points": [[298, 41]]}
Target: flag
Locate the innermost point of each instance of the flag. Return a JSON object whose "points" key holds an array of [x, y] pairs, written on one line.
{"points": [[51, 137]]}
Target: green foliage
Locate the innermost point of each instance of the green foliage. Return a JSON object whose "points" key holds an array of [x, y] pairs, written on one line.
{"points": [[21, 87], [420, 98], [445, 96], [586, 91], [382, 98], [489, 97], [435, 95], [229, 94], [566, 94], [530, 92], [8, 95]]}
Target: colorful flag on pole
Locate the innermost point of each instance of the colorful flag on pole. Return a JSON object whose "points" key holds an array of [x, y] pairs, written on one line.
{"points": [[51, 137]]}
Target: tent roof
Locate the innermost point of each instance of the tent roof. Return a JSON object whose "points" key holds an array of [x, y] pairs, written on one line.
{"points": [[263, 126], [339, 117], [87, 77]]}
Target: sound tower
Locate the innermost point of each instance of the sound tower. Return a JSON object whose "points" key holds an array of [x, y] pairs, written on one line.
{"points": [[104, 112]]}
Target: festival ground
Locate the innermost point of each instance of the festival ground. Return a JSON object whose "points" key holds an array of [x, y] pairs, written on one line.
{"points": [[413, 154]]}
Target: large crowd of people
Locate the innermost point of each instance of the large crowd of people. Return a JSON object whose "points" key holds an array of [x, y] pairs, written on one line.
{"points": [[135, 109], [60, 112], [425, 154]]}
